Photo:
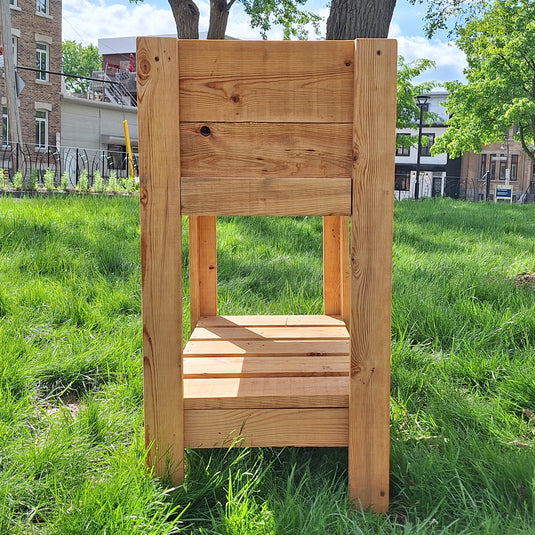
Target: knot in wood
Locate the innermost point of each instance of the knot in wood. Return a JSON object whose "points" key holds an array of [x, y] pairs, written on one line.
{"points": [[235, 99], [205, 131]]}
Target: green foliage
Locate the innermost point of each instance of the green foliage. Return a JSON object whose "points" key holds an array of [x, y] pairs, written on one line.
{"points": [[83, 181], [79, 60], [18, 180], [48, 179], [64, 181], [408, 113], [3, 178], [32, 182], [288, 14], [113, 182], [98, 181], [442, 14], [128, 183], [500, 93]]}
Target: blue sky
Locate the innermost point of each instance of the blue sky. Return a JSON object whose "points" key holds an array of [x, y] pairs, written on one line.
{"points": [[86, 21]]}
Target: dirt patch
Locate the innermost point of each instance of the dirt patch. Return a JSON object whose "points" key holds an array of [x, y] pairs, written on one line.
{"points": [[524, 280]]}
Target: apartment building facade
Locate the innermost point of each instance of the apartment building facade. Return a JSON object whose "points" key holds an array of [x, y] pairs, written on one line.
{"points": [[36, 40]]}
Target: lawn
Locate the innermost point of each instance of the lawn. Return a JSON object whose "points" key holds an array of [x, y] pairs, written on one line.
{"points": [[463, 377]]}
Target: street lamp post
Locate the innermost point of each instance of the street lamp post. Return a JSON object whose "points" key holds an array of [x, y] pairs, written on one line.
{"points": [[421, 101]]}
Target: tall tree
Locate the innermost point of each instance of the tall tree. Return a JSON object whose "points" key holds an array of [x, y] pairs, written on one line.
{"points": [[500, 88], [80, 60], [359, 18]]}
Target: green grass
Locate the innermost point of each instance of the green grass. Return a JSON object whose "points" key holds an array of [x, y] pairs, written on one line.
{"points": [[463, 378]]}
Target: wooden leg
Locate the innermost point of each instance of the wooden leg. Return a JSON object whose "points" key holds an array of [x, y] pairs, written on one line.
{"points": [[336, 266], [202, 267], [371, 273], [161, 259]]}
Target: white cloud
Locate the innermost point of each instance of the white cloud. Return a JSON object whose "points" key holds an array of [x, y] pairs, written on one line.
{"points": [[449, 59], [86, 21]]}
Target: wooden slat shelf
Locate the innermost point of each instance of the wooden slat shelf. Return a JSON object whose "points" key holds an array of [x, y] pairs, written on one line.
{"points": [[266, 362]]}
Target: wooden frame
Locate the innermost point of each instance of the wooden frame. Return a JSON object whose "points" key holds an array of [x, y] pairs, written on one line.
{"points": [[268, 128]]}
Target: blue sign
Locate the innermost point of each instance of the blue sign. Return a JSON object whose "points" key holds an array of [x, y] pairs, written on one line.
{"points": [[503, 193]]}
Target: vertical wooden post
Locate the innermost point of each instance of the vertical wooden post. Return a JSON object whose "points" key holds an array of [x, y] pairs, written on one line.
{"points": [[161, 255], [336, 266], [371, 271], [202, 267]]}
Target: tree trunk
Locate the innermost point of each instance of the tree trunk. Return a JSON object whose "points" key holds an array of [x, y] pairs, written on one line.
{"points": [[186, 14], [349, 19], [219, 10]]}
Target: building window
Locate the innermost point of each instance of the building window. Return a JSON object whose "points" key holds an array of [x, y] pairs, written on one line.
{"points": [[514, 167], [426, 150], [403, 179], [492, 167], [12, 2], [15, 43], [503, 166], [41, 129], [5, 127], [42, 6], [403, 145], [41, 62]]}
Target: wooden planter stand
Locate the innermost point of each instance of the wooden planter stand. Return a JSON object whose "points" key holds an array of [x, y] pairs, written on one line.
{"points": [[269, 128]]}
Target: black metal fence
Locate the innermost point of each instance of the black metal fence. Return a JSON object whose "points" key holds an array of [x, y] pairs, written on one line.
{"points": [[66, 163]]}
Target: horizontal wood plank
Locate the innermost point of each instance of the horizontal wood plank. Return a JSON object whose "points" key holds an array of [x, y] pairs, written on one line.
{"points": [[252, 348], [274, 333], [280, 366], [277, 320], [270, 392], [212, 150], [251, 81], [266, 428], [266, 196]]}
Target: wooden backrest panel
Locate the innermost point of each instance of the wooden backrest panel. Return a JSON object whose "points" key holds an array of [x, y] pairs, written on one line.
{"points": [[256, 118], [266, 81]]}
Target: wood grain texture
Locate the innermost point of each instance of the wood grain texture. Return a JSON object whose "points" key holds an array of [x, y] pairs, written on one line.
{"points": [[272, 366], [161, 256], [266, 196], [266, 428], [263, 348], [266, 392], [268, 150], [279, 320], [289, 81], [319, 332], [336, 266], [371, 272], [202, 267]]}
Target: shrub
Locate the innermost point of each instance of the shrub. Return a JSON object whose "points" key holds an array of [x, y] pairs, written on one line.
{"points": [[49, 179], [3, 178], [34, 175], [98, 181], [18, 180], [129, 184], [83, 181], [113, 182], [64, 181]]}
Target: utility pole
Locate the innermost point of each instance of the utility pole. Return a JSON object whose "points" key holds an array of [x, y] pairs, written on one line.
{"points": [[13, 116]]}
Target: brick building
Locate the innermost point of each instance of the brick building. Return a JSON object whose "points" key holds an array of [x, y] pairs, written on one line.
{"points": [[36, 33], [499, 164]]}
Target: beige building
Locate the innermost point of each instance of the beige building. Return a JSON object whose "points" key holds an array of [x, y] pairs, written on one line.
{"points": [[486, 175]]}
